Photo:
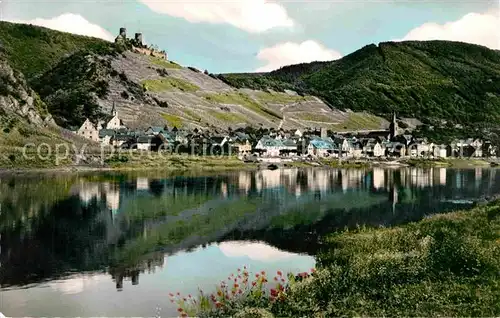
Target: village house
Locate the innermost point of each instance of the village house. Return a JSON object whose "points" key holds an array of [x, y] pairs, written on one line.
{"points": [[373, 148], [322, 148], [488, 149], [88, 130], [467, 148], [419, 148], [145, 143], [242, 144], [244, 147], [105, 136], [270, 147], [395, 150], [154, 130], [181, 137], [344, 147], [440, 151]]}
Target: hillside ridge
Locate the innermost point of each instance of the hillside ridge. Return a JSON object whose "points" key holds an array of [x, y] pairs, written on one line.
{"points": [[80, 77], [435, 81]]}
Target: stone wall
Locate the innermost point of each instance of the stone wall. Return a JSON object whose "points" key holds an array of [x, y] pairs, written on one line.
{"points": [[146, 51]]}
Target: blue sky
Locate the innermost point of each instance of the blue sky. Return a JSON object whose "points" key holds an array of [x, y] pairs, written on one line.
{"points": [[260, 35]]}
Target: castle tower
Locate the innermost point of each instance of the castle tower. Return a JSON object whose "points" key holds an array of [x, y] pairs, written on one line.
{"points": [[123, 32], [393, 126], [138, 38]]}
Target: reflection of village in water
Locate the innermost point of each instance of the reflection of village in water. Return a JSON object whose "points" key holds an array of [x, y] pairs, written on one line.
{"points": [[292, 181], [375, 195]]}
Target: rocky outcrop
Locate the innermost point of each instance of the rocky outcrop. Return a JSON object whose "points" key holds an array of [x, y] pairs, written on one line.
{"points": [[17, 98]]}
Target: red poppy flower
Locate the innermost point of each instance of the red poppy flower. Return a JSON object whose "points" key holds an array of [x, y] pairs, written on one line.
{"points": [[274, 292], [280, 273], [180, 310]]}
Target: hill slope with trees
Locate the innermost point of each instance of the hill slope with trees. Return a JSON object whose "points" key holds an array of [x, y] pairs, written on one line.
{"points": [[434, 81]]}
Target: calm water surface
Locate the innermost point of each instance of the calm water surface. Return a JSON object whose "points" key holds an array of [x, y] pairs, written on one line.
{"points": [[116, 245]]}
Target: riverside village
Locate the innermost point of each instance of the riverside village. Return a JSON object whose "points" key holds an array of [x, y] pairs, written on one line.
{"points": [[274, 145]]}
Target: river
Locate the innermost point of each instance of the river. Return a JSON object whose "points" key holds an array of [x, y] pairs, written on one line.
{"points": [[113, 244]]}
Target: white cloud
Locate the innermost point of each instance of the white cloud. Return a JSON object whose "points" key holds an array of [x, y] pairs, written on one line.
{"points": [[248, 15], [72, 23], [294, 53], [254, 251], [477, 28]]}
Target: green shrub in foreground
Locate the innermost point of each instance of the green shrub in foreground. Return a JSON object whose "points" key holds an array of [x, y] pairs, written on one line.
{"points": [[445, 265]]}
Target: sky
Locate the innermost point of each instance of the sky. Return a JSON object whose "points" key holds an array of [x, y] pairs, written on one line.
{"points": [[226, 36]]}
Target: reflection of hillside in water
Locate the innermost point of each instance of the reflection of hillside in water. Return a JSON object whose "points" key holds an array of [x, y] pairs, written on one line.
{"points": [[71, 225]]}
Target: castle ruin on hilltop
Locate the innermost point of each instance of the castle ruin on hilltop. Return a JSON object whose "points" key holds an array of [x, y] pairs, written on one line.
{"points": [[138, 46]]}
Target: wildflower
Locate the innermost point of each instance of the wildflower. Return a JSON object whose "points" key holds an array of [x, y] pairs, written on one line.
{"points": [[184, 314], [276, 278], [172, 301], [274, 292], [236, 285], [171, 295], [189, 295], [218, 304], [280, 273], [219, 293], [240, 292], [283, 280], [257, 275], [184, 299], [178, 294], [263, 273], [254, 283], [239, 270], [313, 270], [180, 309]]}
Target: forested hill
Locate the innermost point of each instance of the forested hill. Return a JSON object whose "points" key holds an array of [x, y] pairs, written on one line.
{"points": [[34, 50], [435, 81]]}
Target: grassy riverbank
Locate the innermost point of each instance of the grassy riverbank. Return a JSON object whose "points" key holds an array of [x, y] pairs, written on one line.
{"points": [[445, 265], [122, 162], [450, 162]]}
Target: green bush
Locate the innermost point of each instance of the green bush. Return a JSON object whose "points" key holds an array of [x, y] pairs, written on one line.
{"points": [[445, 265]]}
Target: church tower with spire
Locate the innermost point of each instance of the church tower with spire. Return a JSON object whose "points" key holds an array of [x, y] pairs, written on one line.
{"points": [[393, 128]]}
